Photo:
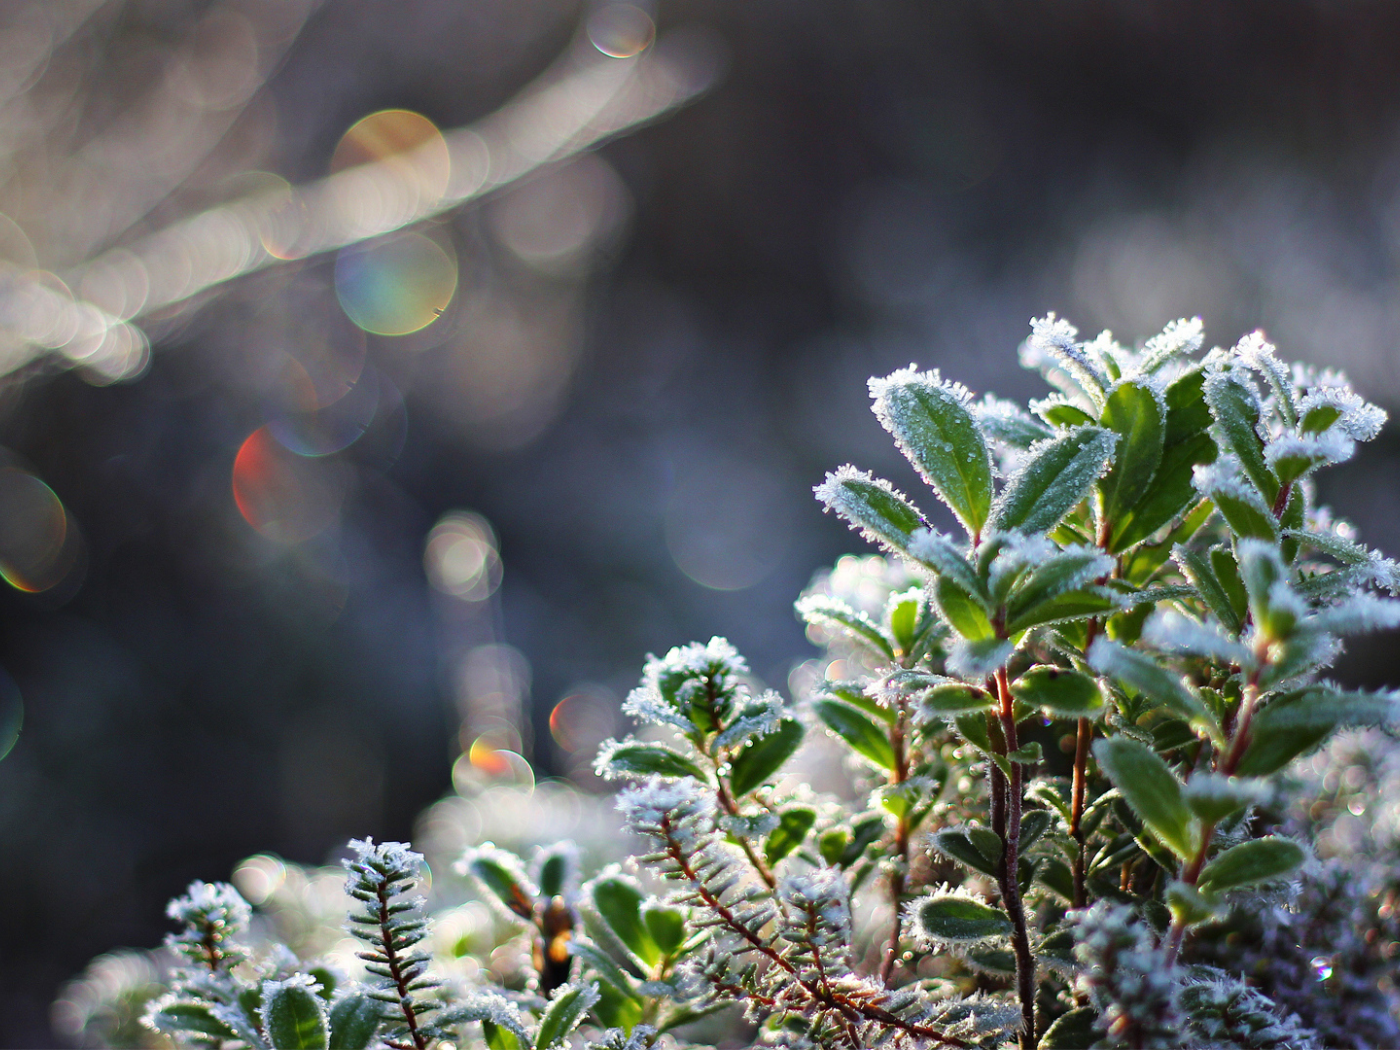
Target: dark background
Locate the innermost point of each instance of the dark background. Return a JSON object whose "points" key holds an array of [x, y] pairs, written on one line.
{"points": [[868, 184]]}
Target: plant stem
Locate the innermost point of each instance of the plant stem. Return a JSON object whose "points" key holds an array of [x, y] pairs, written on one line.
{"points": [[1191, 874], [400, 979], [1010, 869], [898, 775], [850, 1003]]}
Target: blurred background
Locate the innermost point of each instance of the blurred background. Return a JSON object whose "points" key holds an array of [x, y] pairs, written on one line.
{"points": [[385, 378]]}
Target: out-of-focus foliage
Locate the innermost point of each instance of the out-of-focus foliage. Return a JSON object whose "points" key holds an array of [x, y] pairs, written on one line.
{"points": [[1144, 581]]}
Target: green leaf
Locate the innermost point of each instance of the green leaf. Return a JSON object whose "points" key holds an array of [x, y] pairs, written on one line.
{"points": [[854, 727], [1072, 605], [1153, 681], [618, 900], [1249, 863], [973, 727], [904, 620], [602, 966], [1234, 404], [1190, 906], [634, 758], [940, 554], [666, 926], [188, 1016], [1243, 509], [1059, 692], [564, 1013], [793, 825], [933, 427], [964, 613], [1149, 787], [616, 1010], [1186, 444], [1227, 571], [1137, 415], [1066, 570], [1059, 474], [1026, 754], [950, 699], [854, 694], [1213, 797], [832, 613], [1197, 569], [500, 1023], [956, 844], [354, 1020], [1072, 1031], [1272, 603], [1294, 723], [1034, 824], [294, 1017], [556, 868], [764, 756], [881, 514], [499, 1037], [960, 920]]}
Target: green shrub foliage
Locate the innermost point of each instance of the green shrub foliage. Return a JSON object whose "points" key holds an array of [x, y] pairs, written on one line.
{"points": [[1090, 791]]}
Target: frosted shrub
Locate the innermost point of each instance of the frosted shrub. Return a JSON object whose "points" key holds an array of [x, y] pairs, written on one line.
{"points": [[1095, 801]]}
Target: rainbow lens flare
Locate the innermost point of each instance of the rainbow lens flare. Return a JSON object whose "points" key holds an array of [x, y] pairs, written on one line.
{"points": [[396, 285]]}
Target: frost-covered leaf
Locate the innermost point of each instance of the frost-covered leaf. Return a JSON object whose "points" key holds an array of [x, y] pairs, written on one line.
{"points": [[1136, 411], [934, 428], [1213, 796], [793, 826], [1272, 602], [293, 1015], [832, 613], [174, 1016], [856, 729], [1186, 444], [974, 661], [1234, 405], [618, 899], [1052, 343], [1071, 1031], [1008, 422], [1360, 614], [500, 1019], [1152, 680], [633, 758], [953, 917], [500, 872], [871, 506], [1171, 632], [950, 699], [1062, 571], [1293, 456], [1180, 337], [1196, 568], [1056, 475], [1059, 691], [942, 555], [957, 844], [1294, 723], [354, 1020], [1149, 787], [1249, 863], [761, 758], [1072, 605], [566, 1009], [1238, 501], [965, 613]]}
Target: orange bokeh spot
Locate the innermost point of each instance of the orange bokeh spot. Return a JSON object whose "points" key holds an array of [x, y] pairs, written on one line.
{"points": [[282, 495]]}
